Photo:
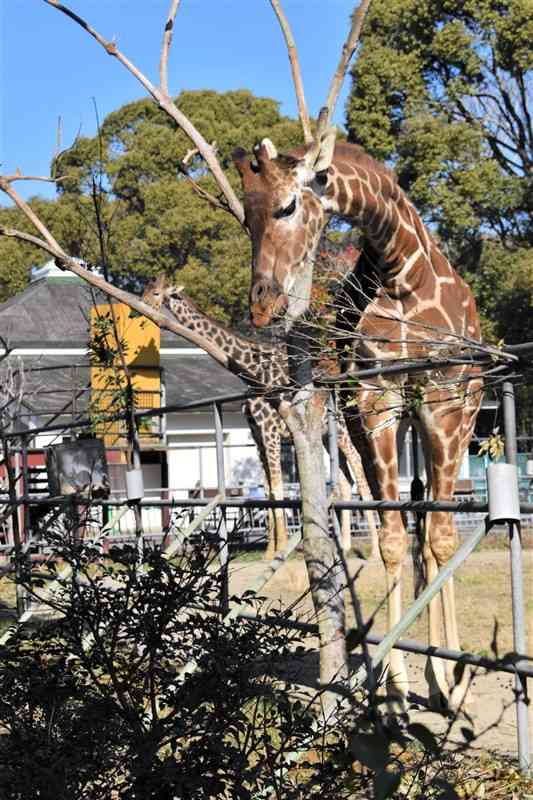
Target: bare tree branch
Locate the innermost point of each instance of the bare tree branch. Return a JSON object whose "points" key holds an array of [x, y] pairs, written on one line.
{"points": [[167, 105], [189, 155], [195, 186], [26, 237], [5, 186], [167, 41], [18, 176], [295, 69], [203, 193], [348, 48], [51, 246]]}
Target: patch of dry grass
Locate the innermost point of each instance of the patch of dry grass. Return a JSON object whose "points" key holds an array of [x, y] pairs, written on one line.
{"points": [[7, 592], [483, 595]]}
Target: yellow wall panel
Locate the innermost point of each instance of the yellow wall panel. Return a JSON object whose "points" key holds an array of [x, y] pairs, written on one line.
{"points": [[141, 340]]}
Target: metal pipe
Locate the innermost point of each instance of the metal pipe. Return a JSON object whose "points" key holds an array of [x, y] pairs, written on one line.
{"points": [[163, 389], [219, 441], [407, 645], [517, 588], [240, 502], [223, 530], [150, 412], [411, 367]]}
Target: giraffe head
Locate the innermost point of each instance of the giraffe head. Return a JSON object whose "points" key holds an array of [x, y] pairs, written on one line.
{"points": [[285, 217], [158, 290]]}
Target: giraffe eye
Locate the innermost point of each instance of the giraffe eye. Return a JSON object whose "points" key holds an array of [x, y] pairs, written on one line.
{"points": [[287, 211]]}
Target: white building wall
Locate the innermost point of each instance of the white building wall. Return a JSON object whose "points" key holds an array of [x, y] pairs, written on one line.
{"points": [[192, 457]]}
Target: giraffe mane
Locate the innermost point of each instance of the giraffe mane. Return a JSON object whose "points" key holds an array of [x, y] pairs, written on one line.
{"points": [[346, 149]]}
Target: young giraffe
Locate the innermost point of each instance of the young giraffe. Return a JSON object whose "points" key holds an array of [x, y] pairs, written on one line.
{"points": [[409, 295], [263, 367]]}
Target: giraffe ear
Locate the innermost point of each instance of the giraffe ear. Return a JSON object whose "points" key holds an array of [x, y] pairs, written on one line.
{"points": [[265, 151], [269, 148], [320, 155]]}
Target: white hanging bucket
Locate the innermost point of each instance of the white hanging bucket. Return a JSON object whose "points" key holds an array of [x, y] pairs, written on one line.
{"points": [[502, 486], [134, 484]]}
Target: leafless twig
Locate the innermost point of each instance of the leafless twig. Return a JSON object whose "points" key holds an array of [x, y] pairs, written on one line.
{"points": [[18, 176], [167, 41], [295, 68], [195, 186], [348, 48], [166, 104]]}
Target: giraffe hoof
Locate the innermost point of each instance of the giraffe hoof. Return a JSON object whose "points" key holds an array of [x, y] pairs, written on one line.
{"points": [[438, 702]]}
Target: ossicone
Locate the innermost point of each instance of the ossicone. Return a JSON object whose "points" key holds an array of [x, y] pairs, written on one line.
{"points": [[241, 159]]}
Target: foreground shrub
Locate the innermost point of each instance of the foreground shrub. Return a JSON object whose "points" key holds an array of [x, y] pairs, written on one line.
{"points": [[138, 689]]}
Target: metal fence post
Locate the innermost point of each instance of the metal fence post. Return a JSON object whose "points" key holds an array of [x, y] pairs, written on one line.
{"points": [[223, 531], [333, 448], [517, 588], [28, 532]]}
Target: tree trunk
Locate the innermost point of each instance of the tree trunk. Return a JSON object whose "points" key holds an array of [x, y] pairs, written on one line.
{"points": [[303, 416]]}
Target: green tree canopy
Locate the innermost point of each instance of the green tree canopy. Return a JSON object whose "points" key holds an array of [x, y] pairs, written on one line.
{"points": [[443, 90], [152, 220]]}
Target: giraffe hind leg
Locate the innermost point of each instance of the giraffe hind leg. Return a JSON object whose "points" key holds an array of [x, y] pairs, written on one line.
{"points": [[448, 686]]}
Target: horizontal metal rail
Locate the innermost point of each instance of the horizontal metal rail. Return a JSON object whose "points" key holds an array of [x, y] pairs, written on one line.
{"points": [[512, 353], [416, 506], [86, 422], [521, 665]]}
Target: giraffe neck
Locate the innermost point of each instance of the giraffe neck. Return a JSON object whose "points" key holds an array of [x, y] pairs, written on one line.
{"points": [[255, 363], [366, 194]]}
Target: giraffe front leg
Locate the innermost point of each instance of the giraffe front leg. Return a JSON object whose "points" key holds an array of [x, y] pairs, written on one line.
{"points": [[440, 544], [393, 548], [435, 670], [266, 428], [345, 492], [392, 543], [443, 542], [379, 415]]}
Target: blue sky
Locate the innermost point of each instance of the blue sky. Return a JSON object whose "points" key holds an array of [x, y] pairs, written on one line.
{"points": [[51, 68]]}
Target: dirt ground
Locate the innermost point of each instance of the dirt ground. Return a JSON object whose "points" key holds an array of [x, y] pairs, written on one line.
{"points": [[483, 592]]}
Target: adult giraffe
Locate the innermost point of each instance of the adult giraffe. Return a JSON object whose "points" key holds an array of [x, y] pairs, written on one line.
{"points": [[264, 368], [411, 303]]}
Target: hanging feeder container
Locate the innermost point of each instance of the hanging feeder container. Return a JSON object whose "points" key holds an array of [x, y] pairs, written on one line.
{"points": [[134, 484], [79, 468], [502, 486]]}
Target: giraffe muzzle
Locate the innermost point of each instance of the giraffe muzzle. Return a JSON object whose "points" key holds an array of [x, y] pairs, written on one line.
{"points": [[266, 304]]}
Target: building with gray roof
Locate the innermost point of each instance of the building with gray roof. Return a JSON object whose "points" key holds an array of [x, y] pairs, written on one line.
{"points": [[46, 328]]}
